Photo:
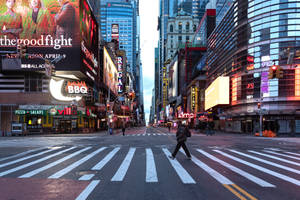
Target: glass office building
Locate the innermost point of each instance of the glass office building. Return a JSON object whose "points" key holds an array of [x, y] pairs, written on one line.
{"points": [[120, 17], [252, 37]]}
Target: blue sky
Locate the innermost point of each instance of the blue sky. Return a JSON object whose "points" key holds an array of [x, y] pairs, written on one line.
{"points": [[149, 38]]}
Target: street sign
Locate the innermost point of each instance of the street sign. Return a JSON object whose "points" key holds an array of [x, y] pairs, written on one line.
{"points": [[121, 98]]}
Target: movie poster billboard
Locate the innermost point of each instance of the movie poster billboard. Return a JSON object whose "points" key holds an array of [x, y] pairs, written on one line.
{"points": [[49, 29]]}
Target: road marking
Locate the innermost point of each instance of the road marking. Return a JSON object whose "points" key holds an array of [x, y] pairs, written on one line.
{"points": [[267, 162], [276, 158], [234, 192], [139, 135], [88, 190], [238, 171], [158, 134], [284, 155], [86, 177], [120, 174], [26, 158], [244, 192], [149, 134], [34, 172], [296, 154], [151, 175], [21, 154], [34, 162], [154, 134], [181, 172], [216, 175], [278, 175], [74, 165], [105, 160], [144, 134]]}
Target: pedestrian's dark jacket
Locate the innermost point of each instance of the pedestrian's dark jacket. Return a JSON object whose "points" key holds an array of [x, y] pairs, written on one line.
{"points": [[123, 129], [180, 134]]}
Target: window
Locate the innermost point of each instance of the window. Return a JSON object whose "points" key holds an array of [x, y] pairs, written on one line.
{"points": [[187, 26], [179, 38], [180, 26], [171, 28], [187, 38]]}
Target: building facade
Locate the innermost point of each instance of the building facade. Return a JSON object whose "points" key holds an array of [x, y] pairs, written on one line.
{"points": [[252, 37]]}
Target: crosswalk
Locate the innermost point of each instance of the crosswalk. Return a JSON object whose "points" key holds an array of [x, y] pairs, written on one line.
{"points": [[156, 134], [256, 166]]}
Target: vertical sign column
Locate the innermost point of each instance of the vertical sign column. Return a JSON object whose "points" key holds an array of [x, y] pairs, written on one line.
{"points": [[120, 74]]}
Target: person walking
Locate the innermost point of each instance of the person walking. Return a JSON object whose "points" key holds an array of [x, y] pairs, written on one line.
{"points": [[181, 136], [123, 130], [169, 127]]}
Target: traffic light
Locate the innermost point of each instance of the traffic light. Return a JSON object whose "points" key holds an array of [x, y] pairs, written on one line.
{"points": [[272, 71], [279, 72], [23, 51]]}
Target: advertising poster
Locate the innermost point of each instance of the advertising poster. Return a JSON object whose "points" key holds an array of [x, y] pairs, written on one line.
{"points": [[89, 41], [48, 28]]}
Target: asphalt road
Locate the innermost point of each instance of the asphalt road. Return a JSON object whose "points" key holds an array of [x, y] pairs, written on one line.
{"points": [[136, 166]]}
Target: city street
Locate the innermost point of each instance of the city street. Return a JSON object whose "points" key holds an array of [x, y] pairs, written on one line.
{"points": [[136, 166]]}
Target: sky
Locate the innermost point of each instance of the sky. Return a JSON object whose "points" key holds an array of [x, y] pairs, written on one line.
{"points": [[149, 10]]}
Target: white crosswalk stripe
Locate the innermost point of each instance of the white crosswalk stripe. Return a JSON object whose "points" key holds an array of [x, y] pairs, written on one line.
{"points": [[21, 154], [267, 162], [34, 172], [284, 155], [151, 174], [181, 172], [120, 174], [296, 154], [276, 158], [34, 162], [74, 165], [239, 171], [80, 155], [105, 160], [265, 170], [26, 158]]}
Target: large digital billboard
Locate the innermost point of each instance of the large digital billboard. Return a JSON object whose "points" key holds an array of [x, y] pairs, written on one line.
{"points": [[89, 41], [49, 29], [217, 93]]}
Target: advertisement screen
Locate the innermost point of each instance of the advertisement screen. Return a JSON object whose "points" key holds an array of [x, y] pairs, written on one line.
{"points": [[110, 72], [89, 41], [48, 28], [217, 93]]}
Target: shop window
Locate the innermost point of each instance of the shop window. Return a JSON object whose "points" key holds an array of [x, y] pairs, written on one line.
{"points": [[33, 83], [171, 28]]}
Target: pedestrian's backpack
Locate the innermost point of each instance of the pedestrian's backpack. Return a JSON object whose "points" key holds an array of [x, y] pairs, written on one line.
{"points": [[187, 133]]}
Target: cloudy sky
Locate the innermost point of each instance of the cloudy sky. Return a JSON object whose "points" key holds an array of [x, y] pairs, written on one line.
{"points": [[149, 40]]}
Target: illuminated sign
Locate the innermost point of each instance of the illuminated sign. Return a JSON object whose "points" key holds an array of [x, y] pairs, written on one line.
{"points": [[61, 29], [217, 93], [115, 31], [56, 88], [297, 81], [186, 115], [120, 74], [110, 71], [31, 112], [194, 98], [76, 87], [165, 86], [89, 41]]}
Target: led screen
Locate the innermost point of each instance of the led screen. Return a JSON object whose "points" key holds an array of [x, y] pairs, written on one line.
{"points": [[217, 93], [49, 29]]}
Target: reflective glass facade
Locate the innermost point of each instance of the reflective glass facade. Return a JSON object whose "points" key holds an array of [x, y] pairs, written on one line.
{"points": [[251, 37], [123, 15]]}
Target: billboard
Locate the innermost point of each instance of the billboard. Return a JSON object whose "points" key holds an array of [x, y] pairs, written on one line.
{"points": [[110, 72], [217, 93], [89, 41], [49, 29]]}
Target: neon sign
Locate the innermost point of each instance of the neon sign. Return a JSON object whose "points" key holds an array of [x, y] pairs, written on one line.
{"points": [[120, 74], [186, 115]]}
